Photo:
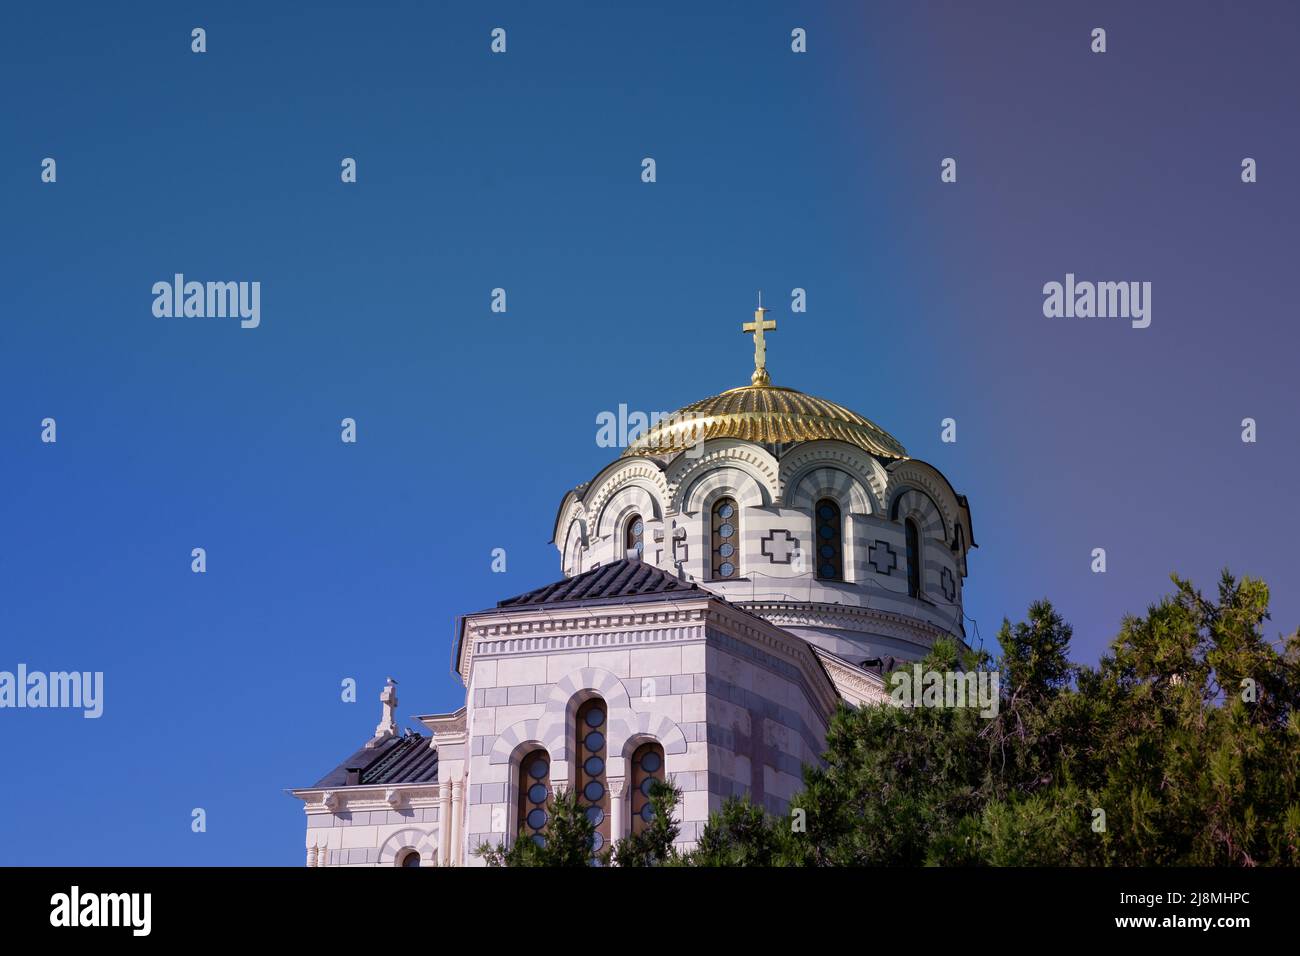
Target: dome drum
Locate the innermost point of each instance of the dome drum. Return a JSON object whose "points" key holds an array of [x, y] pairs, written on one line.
{"points": [[790, 505]]}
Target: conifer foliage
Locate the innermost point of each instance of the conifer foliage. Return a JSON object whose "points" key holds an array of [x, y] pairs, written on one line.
{"points": [[1182, 747]]}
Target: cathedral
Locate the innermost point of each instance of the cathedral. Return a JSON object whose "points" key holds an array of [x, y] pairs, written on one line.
{"points": [[748, 563]]}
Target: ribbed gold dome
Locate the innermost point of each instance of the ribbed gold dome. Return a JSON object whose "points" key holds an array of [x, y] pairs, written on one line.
{"points": [[765, 414]]}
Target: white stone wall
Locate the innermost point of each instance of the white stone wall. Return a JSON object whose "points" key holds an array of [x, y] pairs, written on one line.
{"points": [[525, 700], [371, 837], [737, 706], [762, 723], [776, 501]]}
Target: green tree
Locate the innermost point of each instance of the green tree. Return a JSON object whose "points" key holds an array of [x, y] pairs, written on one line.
{"points": [[1182, 747], [740, 834], [653, 846], [566, 839]]}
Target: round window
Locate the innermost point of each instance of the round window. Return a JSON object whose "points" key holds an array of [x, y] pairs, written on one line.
{"points": [[594, 766], [537, 819], [595, 717], [650, 762], [726, 511], [726, 569], [726, 531], [594, 741], [539, 769], [594, 790]]}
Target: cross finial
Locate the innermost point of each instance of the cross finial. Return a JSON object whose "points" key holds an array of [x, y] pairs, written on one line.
{"points": [[760, 325], [388, 725]]}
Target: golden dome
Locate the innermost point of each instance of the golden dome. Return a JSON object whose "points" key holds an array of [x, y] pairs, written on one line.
{"points": [[766, 414]]}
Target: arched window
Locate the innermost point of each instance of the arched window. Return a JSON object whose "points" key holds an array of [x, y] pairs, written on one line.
{"points": [[725, 540], [589, 748], [534, 796], [410, 858], [830, 543], [913, 559], [634, 536], [574, 547], [647, 767]]}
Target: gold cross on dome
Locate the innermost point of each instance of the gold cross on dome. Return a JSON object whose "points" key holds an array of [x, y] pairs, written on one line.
{"points": [[756, 328]]}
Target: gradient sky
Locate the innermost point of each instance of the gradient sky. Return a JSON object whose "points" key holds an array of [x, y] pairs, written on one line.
{"points": [[775, 170]]}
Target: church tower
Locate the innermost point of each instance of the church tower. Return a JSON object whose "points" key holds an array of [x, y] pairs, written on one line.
{"points": [[790, 506]]}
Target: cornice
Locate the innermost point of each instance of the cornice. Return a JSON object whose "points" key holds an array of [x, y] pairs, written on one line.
{"points": [[531, 631], [346, 799], [445, 727], [848, 617], [867, 685], [577, 628]]}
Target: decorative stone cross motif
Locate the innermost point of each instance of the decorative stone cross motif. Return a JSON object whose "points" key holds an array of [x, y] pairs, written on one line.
{"points": [[781, 549], [882, 556], [949, 584], [672, 541]]}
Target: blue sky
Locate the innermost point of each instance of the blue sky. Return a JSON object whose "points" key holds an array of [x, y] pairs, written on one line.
{"points": [[522, 171]]}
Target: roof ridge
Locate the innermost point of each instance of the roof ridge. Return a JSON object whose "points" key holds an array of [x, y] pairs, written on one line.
{"points": [[625, 578]]}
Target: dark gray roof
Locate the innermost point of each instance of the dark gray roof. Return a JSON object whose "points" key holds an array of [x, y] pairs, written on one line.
{"points": [[618, 582], [408, 759]]}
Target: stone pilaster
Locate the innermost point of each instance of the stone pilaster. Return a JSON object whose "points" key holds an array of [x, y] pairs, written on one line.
{"points": [[617, 791], [457, 826], [444, 823]]}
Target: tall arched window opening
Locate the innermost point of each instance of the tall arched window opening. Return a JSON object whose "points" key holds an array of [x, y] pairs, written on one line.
{"points": [[589, 749], [725, 540], [634, 536], [913, 559], [829, 541], [534, 796], [647, 767]]}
